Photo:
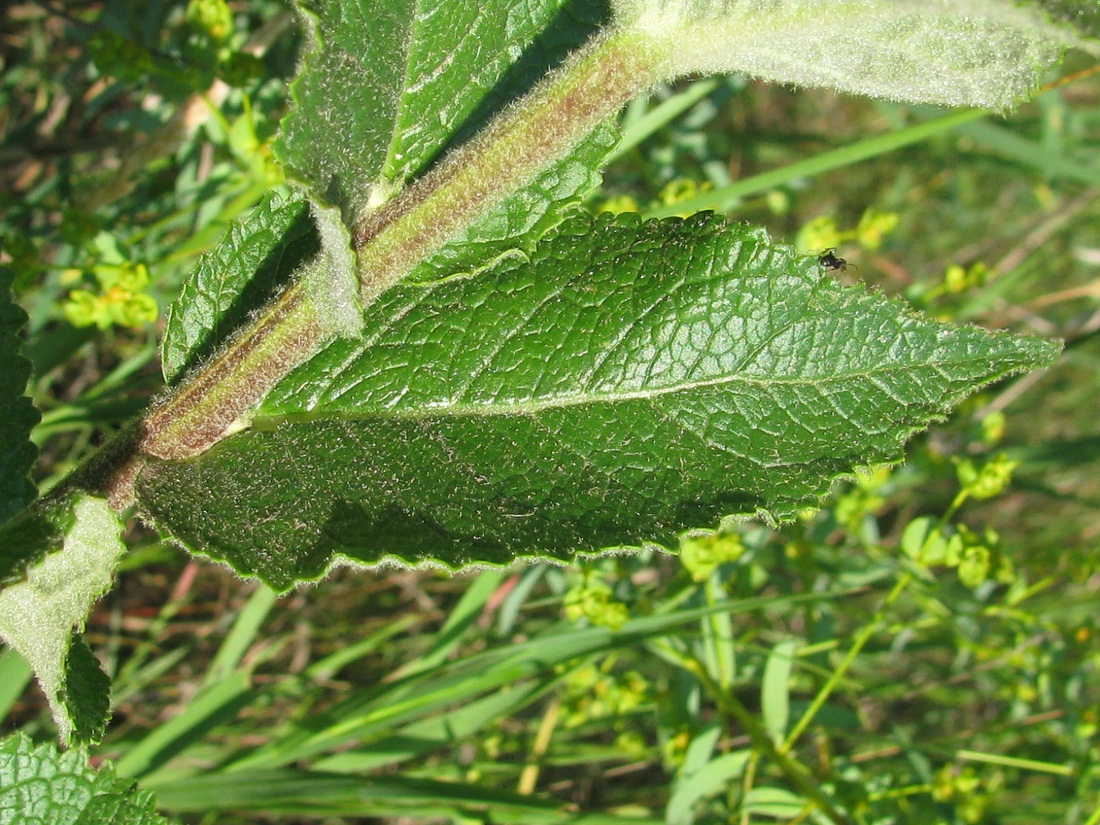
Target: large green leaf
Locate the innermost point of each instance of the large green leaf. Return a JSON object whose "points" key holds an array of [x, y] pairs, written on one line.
{"points": [[357, 77], [358, 130], [17, 414], [630, 381]]}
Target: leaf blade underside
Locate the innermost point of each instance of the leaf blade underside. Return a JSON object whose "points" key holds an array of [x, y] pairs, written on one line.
{"points": [[629, 382]]}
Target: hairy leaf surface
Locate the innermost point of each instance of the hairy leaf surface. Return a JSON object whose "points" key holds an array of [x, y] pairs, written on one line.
{"points": [[629, 382], [986, 53], [385, 92], [39, 613], [362, 91]]}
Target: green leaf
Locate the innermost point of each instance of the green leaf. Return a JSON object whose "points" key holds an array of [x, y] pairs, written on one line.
{"points": [[257, 255], [713, 778], [38, 614], [775, 700], [775, 802], [39, 784], [86, 692], [631, 381], [357, 132], [15, 674], [17, 413], [701, 774], [361, 94], [985, 53]]}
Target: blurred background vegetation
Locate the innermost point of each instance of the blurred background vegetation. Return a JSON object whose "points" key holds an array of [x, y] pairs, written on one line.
{"points": [[923, 649]]}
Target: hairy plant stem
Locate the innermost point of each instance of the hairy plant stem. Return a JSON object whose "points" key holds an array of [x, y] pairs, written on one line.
{"points": [[194, 417], [537, 130]]}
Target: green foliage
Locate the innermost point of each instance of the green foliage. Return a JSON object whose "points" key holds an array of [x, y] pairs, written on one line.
{"points": [[17, 412], [42, 785], [120, 300], [920, 650], [701, 554], [34, 532], [357, 132], [38, 614], [256, 257], [594, 602], [984, 52], [742, 384]]}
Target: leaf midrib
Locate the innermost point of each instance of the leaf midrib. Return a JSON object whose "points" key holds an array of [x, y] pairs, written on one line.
{"points": [[493, 409]]}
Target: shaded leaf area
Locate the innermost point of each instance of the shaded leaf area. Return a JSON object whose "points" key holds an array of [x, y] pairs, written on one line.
{"points": [[257, 255], [1082, 14], [86, 692], [361, 93], [629, 382], [42, 785], [36, 531], [17, 414]]}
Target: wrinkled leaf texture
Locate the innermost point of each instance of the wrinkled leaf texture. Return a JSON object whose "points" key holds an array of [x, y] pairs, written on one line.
{"points": [[356, 127], [984, 53], [627, 383], [41, 785]]}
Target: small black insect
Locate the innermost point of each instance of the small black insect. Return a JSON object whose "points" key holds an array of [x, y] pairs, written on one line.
{"points": [[831, 263]]}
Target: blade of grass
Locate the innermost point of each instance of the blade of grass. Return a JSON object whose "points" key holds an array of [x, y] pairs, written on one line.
{"points": [[662, 114], [332, 664], [720, 199], [211, 706], [1031, 154], [436, 732], [141, 678], [465, 613], [1014, 762], [307, 793], [508, 613], [719, 654], [377, 711], [15, 675], [242, 635]]}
